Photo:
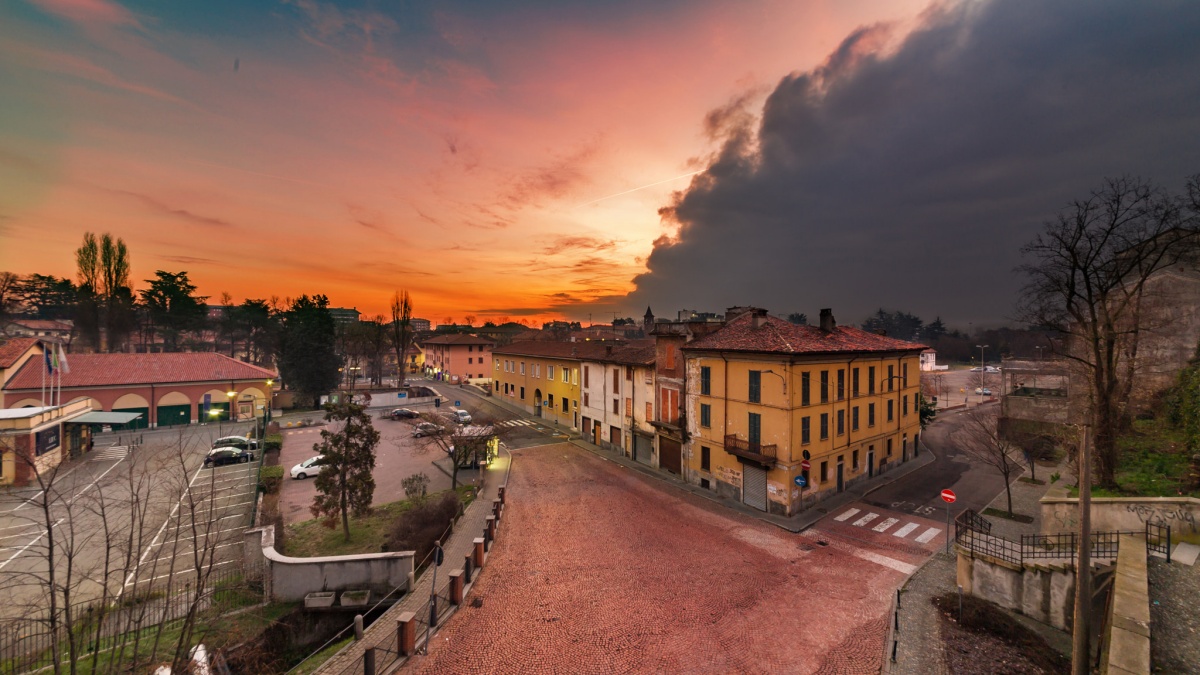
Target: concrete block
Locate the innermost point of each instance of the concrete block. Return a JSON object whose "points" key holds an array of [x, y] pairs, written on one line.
{"points": [[1062, 599], [406, 633], [456, 587], [479, 552]]}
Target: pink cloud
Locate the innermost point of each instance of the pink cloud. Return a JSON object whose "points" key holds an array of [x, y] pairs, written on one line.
{"points": [[88, 11]]}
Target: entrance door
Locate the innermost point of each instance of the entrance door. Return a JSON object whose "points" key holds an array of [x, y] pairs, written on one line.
{"points": [[871, 464], [916, 445], [754, 486], [904, 450], [670, 457], [537, 402], [643, 449], [841, 483]]}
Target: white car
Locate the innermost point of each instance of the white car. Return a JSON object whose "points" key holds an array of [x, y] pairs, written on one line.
{"points": [[461, 416], [309, 467]]}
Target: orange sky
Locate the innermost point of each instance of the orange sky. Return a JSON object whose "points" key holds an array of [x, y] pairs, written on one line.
{"points": [[487, 161]]}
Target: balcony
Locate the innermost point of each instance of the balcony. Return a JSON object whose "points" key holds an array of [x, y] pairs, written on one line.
{"points": [[755, 452]]}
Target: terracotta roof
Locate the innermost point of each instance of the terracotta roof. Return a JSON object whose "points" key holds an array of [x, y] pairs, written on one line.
{"points": [[13, 349], [776, 336], [458, 339], [41, 324], [98, 370], [639, 352]]}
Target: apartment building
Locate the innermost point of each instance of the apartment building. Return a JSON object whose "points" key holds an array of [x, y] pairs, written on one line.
{"points": [[617, 386], [456, 357], [762, 396], [541, 377]]}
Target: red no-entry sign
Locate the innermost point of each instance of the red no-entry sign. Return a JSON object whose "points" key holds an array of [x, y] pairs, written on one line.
{"points": [[805, 465], [948, 496]]}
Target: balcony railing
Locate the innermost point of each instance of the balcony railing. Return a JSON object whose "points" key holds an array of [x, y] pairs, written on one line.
{"points": [[757, 452]]}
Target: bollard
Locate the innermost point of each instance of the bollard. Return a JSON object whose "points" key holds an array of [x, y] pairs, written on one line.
{"points": [[496, 509], [468, 566], [358, 627], [960, 604], [491, 527], [897, 598], [406, 634], [896, 621], [501, 492], [478, 552], [456, 588], [369, 661], [895, 644]]}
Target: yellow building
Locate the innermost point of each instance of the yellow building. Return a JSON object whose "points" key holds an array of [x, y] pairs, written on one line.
{"points": [[764, 395], [542, 377]]}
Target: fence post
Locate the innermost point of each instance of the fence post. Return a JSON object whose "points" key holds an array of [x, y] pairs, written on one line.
{"points": [[491, 527], [478, 552], [501, 492], [456, 587], [369, 661], [406, 634], [468, 566], [358, 627], [1168, 543]]}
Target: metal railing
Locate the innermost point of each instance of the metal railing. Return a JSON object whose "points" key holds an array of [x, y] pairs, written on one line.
{"points": [[973, 533], [743, 447]]}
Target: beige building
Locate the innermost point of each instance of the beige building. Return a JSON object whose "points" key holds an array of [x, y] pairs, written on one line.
{"points": [[764, 395]]}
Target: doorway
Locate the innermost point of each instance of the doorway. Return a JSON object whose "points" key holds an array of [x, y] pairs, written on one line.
{"points": [[871, 463], [841, 482], [537, 402]]}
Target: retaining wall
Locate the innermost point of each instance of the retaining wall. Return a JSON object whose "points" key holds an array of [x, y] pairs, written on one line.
{"points": [[288, 579], [1060, 513], [1042, 592]]}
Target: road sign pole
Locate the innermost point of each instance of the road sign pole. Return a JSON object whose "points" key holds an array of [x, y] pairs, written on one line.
{"points": [[947, 527]]}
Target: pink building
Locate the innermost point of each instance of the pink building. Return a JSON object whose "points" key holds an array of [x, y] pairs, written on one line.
{"points": [[458, 357]]}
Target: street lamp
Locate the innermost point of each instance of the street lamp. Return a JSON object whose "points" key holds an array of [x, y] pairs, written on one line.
{"points": [[982, 370], [215, 413], [232, 396]]}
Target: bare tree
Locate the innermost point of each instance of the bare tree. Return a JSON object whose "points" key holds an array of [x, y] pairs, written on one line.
{"points": [[984, 443], [470, 319], [466, 446], [1086, 283], [402, 333]]}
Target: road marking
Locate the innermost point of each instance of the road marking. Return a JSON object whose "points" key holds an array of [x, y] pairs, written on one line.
{"points": [[162, 529], [26, 546], [111, 452], [898, 565], [929, 535], [846, 516], [882, 527], [865, 519], [903, 532]]}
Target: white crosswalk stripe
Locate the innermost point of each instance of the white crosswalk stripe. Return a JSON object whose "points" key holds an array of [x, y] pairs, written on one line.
{"points": [[109, 453], [882, 527], [865, 519], [904, 531], [929, 535], [846, 516]]}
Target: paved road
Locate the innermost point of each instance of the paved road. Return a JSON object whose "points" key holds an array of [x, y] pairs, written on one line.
{"points": [[918, 493]]}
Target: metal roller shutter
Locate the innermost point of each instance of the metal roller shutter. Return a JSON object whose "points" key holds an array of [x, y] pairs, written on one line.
{"points": [[643, 449], [754, 486]]}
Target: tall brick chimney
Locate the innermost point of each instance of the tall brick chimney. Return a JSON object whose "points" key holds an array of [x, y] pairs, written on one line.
{"points": [[828, 324], [758, 317]]}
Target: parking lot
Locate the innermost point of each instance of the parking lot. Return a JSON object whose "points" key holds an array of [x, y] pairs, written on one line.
{"points": [[600, 569]]}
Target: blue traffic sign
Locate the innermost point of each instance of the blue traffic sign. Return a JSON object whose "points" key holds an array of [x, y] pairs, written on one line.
{"points": [[800, 481], [457, 404]]}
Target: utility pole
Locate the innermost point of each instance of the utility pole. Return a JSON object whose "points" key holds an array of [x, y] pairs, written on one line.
{"points": [[1081, 648]]}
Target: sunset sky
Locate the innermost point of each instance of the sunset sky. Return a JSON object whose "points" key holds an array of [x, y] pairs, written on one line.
{"points": [[521, 159]]}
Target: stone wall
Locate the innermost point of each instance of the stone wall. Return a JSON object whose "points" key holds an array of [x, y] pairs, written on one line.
{"points": [[288, 579], [1060, 513], [1042, 592]]}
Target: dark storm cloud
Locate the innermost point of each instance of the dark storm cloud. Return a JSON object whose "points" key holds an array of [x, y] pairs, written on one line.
{"points": [[910, 177]]}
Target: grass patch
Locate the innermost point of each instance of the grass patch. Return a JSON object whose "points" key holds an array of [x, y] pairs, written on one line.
{"points": [[1153, 462], [317, 660], [1000, 513], [312, 538]]}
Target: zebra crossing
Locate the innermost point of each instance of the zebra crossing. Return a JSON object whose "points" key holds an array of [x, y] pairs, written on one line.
{"points": [[517, 423], [867, 520], [110, 453]]}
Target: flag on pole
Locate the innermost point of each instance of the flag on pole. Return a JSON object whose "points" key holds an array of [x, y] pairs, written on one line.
{"points": [[48, 355], [62, 361]]}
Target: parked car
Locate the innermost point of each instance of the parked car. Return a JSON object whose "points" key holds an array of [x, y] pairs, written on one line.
{"points": [[309, 467], [983, 391], [428, 429], [227, 455], [402, 414], [991, 369], [240, 442], [461, 416], [977, 369]]}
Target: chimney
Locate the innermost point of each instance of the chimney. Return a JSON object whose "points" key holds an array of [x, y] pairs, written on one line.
{"points": [[827, 321], [758, 317]]}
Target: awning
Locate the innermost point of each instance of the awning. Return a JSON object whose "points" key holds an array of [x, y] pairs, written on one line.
{"points": [[105, 418]]}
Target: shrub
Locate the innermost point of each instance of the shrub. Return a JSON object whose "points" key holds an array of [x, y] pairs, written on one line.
{"points": [[420, 527], [415, 486], [269, 479], [272, 442]]}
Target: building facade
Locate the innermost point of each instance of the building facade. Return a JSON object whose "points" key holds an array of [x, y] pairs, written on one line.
{"points": [[617, 386], [542, 378], [458, 357], [763, 396]]}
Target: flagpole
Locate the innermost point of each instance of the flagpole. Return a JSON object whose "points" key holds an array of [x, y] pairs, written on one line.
{"points": [[43, 391]]}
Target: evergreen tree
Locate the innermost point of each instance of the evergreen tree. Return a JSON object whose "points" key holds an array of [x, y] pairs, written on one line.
{"points": [[173, 307], [345, 485], [308, 359]]}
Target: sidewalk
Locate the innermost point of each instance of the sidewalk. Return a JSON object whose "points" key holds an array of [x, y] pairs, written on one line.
{"points": [[382, 633]]}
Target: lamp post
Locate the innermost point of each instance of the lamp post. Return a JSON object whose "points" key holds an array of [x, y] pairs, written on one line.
{"points": [[982, 371], [1037, 350], [232, 396], [215, 413]]}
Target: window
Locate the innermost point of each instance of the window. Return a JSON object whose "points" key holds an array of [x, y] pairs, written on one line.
{"points": [[904, 405], [629, 373], [549, 372], [522, 367], [904, 375], [889, 447], [649, 411], [870, 414], [470, 348], [854, 419], [616, 406], [537, 370], [891, 377], [824, 471], [629, 407], [805, 434], [574, 376], [841, 422], [470, 360], [755, 386], [585, 381], [854, 460], [824, 386], [705, 381], [566, 373], [616, 380], [854, 383], [705, 455], [804, 386], [565, 408], [841, 385], [668, 405], [497, 364], [824, 426], [755, 433], [550, 402], [705, 415], [871, 380], [891, 409], [586, 400]]}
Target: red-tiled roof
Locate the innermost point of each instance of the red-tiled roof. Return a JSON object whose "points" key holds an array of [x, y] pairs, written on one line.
{"points": [[42, 324], [640, 352], [776, 336], [98, 370], [13, 349], [458, 339]]}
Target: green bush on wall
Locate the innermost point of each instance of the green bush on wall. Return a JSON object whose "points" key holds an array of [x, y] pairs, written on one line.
{"points": [[272, 442], [270, 478]]}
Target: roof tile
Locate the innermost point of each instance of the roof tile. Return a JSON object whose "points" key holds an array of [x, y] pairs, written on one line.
{"points": [[776, 336], [98, 370]]}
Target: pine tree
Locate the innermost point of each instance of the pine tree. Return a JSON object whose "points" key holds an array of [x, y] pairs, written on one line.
{"points": [[345, 485]]}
